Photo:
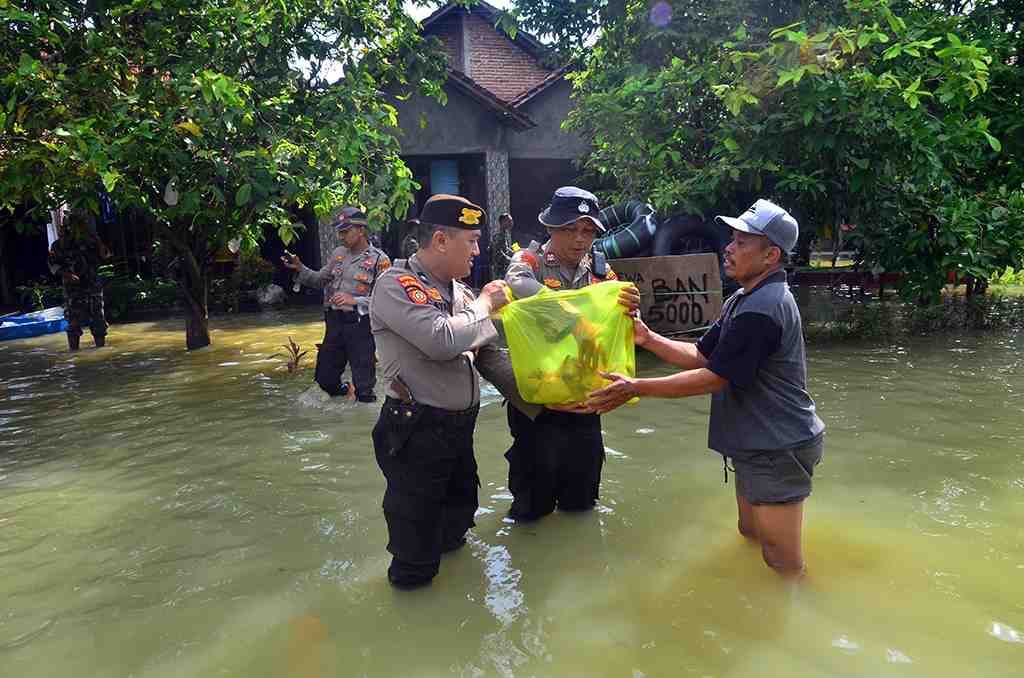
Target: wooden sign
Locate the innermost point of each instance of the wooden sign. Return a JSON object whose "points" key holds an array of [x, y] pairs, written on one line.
{"points": [[677, 293]]}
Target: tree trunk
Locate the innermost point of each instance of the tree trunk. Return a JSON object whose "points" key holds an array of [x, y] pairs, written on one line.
{"points": [[197, 318]]}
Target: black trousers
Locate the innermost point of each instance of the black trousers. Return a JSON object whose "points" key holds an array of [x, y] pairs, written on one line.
{"points": [[347, 339], [555, 460], [431, 494]]}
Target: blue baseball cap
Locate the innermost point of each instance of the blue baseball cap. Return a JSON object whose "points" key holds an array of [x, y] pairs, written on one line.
{"points": [[768, 219], [568, 204], [349, 217]]}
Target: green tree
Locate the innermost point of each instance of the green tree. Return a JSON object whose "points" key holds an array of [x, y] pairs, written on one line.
{"points": [[901, 118], [217, 118]]}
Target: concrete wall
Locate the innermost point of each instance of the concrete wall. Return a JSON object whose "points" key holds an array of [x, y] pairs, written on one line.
{"points": [[463, 126], [547, 139]]}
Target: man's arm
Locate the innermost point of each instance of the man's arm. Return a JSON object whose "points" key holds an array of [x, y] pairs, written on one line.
{"points": [[402, 304], [522, 274], [679, 385], [682, 354], [317, 279], [362, 302], [495, 366], [734, 360]]}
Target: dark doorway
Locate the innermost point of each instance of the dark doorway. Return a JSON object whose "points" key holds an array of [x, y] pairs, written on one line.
{"points": [[531, 183]]}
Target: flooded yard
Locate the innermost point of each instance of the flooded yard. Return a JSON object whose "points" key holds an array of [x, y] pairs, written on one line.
{"points": [[173, 514]]}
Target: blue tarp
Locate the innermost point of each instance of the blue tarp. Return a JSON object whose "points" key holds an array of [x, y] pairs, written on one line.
{"points": [[33, 324]]}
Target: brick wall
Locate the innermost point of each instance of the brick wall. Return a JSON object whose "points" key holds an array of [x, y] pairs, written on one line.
{"points": [[449, 30], [497, 63]]}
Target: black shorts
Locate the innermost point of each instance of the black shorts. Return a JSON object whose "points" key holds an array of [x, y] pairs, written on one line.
{"points": [[778, 476]]}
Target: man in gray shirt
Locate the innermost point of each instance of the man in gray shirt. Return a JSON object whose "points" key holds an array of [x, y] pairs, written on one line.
{"points": [[435, 340], [752, 363], [347, 278]]}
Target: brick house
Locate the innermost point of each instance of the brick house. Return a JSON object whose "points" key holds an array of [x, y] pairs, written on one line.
{"points": [[498, 140]]}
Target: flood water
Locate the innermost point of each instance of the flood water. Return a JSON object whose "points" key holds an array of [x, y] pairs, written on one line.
{"points": [[174, 514]]}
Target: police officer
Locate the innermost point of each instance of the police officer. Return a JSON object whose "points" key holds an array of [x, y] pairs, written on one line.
{"points": [[556, 459], [434, 337], [76, 257], [348, 278]]}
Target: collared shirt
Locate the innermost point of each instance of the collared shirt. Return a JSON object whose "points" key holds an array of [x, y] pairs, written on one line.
{"points": [[537, 266], [428, 334], [348, 272], [757, 345]]}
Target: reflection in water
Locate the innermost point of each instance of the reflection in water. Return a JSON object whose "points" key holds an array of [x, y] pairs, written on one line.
{"points": [[175, 514]]}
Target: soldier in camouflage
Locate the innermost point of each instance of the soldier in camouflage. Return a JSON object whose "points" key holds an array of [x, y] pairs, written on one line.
{"points": [[348, 278], [76, 257]]}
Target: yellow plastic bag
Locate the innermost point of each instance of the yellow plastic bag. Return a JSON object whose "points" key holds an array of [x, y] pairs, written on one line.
{"points": [[560, 341]]}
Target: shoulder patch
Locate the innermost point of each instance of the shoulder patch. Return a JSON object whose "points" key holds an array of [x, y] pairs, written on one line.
{"points": [[383, 264], [553, 283], [528, 257], [413, 289]]}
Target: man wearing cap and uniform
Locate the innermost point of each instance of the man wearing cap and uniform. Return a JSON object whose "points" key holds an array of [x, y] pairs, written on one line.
{"points": [[434, 337], [348, 279], [556, 459], [752, 363]]}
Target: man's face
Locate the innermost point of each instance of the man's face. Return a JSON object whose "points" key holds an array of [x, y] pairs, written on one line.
{"points": [[748, 256], [459, 246], [571, 242], [351, 236]]}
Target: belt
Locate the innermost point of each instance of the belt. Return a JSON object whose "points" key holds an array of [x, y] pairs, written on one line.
{"points": [[457, 418], [348, 316]]}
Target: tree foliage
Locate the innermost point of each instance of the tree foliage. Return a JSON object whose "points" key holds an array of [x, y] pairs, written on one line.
{"points": [[900, 118], [217, 118]]}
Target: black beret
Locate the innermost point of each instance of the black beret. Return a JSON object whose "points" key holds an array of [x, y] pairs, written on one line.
{"points": [[454, 211]]}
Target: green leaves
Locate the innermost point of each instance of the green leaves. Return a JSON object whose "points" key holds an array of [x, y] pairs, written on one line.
{"points": [[243, 195]]}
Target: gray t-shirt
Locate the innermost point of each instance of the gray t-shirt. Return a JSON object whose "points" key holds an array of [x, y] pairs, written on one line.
{"points": [[757, 345]]}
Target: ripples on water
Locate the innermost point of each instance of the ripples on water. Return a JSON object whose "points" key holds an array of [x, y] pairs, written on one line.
{"points": [[175, 514]]}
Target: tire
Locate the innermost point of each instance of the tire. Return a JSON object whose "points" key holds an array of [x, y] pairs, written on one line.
{"points": [[689, 234], [630, 229]]}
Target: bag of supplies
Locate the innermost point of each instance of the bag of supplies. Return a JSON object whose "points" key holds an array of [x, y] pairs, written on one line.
{"points": [[559, 342]]}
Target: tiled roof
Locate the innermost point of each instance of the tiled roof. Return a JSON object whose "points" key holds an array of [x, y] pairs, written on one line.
{"points": [[507, 113], [553, 77]]}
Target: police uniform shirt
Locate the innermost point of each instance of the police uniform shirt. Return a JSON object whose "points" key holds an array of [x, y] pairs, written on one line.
{"points": [[428, 334], [350, 273], [537, 266]]}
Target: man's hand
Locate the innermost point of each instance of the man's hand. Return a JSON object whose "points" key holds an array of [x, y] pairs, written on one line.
{"points": [[572, 408], [291, 261], [630, 298], [342, 299], [495, 295], [619, 392], [69, 277], [641, 333]]}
